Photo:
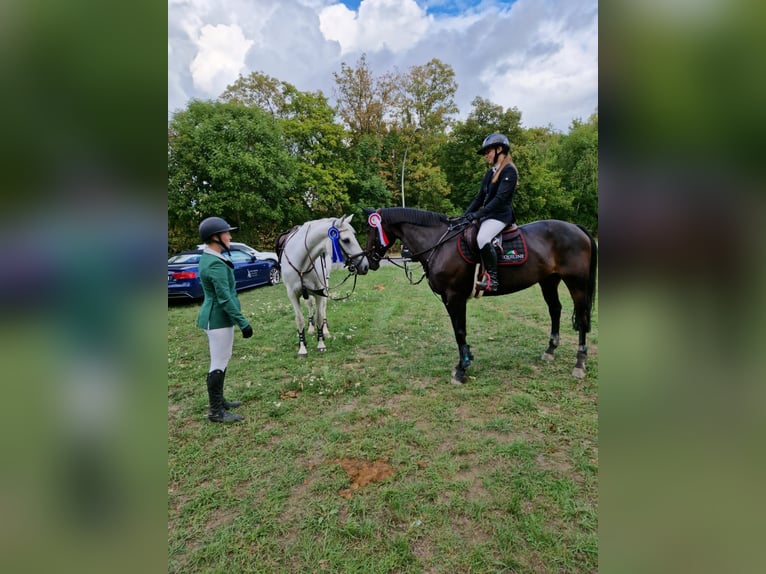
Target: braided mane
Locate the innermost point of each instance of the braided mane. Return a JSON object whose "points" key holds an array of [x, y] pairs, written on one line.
{"points": [[394, 215]]}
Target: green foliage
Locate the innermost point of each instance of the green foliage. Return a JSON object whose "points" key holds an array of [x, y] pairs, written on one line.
{"points": [[317, 143], [462, 166], [367, 188], [578, 165], [269, 156], [539, 194], [228, 160]]}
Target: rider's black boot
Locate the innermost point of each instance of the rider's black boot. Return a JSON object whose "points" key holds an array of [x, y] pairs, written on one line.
{"points": [[489, 257], [218, 412]]}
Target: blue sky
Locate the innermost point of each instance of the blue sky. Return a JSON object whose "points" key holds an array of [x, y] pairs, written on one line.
{"points": [[435, 7], [540, 56]]}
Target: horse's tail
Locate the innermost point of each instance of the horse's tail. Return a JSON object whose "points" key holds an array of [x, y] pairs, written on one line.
{"points": [[591, 283]]}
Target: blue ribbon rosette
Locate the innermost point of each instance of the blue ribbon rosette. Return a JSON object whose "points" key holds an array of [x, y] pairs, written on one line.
{"points": [[337, 253]]}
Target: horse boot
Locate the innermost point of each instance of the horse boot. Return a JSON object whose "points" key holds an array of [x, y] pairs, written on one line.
{"points": [[229, 404], [489, 258], [217, 412]]}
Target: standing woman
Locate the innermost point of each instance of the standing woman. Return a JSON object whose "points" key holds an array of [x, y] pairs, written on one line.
{"points": [[493, 206], [220, 312]]}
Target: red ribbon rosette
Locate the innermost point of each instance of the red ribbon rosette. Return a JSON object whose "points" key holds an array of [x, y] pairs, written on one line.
{"points": [[376, 221]]}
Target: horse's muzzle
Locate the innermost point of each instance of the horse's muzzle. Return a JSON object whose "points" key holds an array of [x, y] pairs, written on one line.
{"points": [[358, 265]]}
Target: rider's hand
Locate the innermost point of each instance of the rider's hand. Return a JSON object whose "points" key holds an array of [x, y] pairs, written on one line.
{"points": [[247, 332]]}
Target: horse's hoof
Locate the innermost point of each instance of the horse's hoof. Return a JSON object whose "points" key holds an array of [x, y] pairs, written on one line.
{"points": [[302, 355], [578, 373], [455, 381], [322, 350], [548, 356]]}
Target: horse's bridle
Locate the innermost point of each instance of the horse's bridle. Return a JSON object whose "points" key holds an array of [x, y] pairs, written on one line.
{"points": [[350, 257], [348, 263], [457, 225]]}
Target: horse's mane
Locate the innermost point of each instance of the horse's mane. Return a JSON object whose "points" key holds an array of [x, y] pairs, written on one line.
{"points": [[394, 215]]}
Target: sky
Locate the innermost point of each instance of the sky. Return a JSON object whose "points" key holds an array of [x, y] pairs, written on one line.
{"points": [[540, 56]]}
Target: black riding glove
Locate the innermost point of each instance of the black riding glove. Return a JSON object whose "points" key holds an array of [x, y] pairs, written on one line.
{"points": [[471, 216], [247, 332]]}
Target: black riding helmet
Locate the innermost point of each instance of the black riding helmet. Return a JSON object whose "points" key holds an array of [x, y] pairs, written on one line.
{"points": [[493, 140], [211, 226]]}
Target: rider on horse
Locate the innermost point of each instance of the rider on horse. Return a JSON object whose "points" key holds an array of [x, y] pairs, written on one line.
{"points": [[493, 206]]}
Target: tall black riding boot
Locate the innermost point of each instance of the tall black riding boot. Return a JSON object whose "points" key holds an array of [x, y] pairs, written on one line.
{"points": [[229, 404], [489, 257], [218, 413]]}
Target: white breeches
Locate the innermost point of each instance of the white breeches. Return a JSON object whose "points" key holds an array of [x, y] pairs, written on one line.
{"points": [[221, 345], [489, 228]]}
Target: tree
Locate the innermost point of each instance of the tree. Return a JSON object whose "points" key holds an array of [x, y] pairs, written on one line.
{"points": [[228, 160], [311, 136], [317, 143], [427, 96], [461, 165], [258, 91], [577, 164], [364, 101]]}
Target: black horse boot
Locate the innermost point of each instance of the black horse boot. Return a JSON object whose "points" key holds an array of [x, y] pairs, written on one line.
{"points": [[229, 404], [489, 258], [217, 412]]}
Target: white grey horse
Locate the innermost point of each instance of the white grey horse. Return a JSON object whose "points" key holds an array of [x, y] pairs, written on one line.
{"points": [[306, 254]]}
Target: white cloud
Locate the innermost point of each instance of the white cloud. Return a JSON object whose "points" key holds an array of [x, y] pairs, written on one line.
{"points": [[539, 56], [552, 77], [396, 25], [220, 57]]}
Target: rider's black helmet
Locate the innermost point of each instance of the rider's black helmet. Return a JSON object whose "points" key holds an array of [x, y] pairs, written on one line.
{"points": [[211, 226], [493, 140]]}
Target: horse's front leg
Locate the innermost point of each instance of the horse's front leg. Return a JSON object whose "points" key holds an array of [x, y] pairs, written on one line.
{"points": [[321, 323], [312, 322], [456, 309], [299, 323]]}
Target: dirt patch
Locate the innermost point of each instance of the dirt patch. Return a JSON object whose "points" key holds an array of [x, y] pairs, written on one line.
{"points": [[362, 473]]}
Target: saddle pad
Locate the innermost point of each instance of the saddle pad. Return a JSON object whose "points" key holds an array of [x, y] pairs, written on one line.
{"points": [[514, 248]]}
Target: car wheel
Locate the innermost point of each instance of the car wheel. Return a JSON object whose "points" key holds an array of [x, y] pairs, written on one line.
{"points": [[274, 276]]}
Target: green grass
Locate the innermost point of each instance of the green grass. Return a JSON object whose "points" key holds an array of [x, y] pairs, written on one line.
{"points": [[498, 475]]}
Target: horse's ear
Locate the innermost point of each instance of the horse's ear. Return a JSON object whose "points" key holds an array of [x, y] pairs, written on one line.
{"points": [[367, 211], [348, 218]]}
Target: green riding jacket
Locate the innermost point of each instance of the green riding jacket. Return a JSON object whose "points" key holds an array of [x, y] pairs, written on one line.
{"points": [[221, 305]]}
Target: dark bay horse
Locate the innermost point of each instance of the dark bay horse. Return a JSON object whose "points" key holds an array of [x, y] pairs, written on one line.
{"points": [[556, 251]]}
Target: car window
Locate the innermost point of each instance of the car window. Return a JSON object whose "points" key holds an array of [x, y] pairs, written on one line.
{"points": [[239, 256], [185, 258]]}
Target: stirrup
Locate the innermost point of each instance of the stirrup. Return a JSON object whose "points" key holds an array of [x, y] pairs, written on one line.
{"points": [[486, 283]]}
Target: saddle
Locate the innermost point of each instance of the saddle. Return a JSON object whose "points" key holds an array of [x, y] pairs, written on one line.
{"points": [[279, 244], [510, 245]]}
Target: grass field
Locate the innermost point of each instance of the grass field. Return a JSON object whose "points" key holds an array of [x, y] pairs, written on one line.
{"points": [[365, 459]]}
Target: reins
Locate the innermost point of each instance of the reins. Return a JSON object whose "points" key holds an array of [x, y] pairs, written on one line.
{"points": [[457, 226]]}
